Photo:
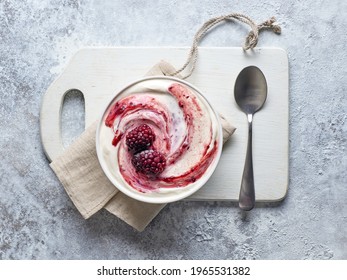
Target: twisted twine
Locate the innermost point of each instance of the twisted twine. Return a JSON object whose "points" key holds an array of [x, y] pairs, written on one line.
{"points": [[250, 42]]}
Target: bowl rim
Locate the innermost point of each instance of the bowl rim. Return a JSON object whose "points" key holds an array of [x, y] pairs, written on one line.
{"points": [[175, 196]]}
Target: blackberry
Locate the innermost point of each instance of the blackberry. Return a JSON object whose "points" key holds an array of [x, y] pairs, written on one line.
{"points": [[149, 162], [140, 138]]}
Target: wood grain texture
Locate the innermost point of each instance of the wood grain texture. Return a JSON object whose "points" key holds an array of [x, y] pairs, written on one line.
{"points": [[99, 73]]}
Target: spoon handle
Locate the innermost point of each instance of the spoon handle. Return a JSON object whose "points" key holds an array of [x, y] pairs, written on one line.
{"points": [[247, 194]]}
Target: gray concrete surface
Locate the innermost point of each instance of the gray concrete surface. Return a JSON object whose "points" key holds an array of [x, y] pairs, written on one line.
{"points": [[37, 219]]}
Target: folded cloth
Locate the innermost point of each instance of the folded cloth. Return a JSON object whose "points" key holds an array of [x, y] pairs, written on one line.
{"points": [[80, 173]]}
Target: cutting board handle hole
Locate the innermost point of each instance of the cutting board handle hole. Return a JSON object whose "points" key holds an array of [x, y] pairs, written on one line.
{"points": [[72, 116]]}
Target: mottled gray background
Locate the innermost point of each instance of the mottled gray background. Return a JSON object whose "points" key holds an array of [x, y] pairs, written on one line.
{"points": [[37, 219]]}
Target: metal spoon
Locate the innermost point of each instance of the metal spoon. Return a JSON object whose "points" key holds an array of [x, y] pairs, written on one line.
{"points": [[250, 94]]}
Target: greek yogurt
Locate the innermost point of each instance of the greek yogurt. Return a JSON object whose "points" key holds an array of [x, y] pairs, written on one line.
{"points": [[187, 132]]}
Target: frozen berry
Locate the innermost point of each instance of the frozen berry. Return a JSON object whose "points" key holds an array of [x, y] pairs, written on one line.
{"points": [[149, 162], [140, 138]]}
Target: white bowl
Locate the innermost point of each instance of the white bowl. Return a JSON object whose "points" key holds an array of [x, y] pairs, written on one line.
{"points": [[107, 157]]}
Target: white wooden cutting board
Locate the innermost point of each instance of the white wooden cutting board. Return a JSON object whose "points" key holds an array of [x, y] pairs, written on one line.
{"points": [[100, 72]]}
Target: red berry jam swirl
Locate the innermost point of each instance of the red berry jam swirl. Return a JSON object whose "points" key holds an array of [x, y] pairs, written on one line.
{"points": [[184, 135]]}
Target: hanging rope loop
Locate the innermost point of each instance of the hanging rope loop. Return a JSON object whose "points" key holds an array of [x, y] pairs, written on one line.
{"points": [[250, 42]]}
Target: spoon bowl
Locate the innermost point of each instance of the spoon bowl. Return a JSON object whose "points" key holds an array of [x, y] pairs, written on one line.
{"points": [[250, 89], [250, 94]]}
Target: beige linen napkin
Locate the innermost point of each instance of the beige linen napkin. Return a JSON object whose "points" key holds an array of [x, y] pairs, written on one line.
{"points": [[80, 173]]}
